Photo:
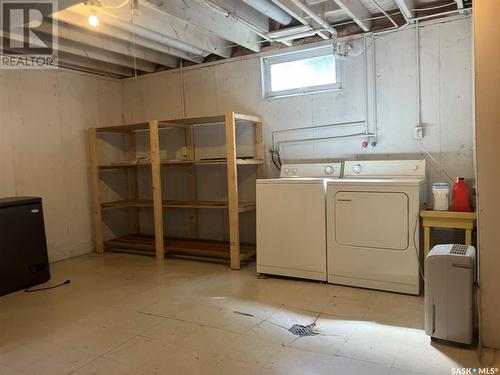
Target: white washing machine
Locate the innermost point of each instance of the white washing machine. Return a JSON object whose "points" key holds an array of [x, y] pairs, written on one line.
{"points": [[291, 221], [373, 225]]}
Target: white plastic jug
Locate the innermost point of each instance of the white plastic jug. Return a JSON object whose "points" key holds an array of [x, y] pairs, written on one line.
{"points": [[441, 195]]}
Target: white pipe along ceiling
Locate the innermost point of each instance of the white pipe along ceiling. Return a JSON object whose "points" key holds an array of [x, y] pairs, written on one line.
{"points": [[134, 37], [271, 10]]}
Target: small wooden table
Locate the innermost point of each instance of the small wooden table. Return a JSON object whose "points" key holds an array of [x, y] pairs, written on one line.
{"points": [[447, 219]]}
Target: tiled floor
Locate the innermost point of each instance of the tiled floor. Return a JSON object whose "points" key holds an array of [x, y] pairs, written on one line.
{"points": [[124, 314]]}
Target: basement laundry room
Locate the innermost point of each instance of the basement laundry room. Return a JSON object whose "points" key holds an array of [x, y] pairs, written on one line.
{"points": [[249, 187]]}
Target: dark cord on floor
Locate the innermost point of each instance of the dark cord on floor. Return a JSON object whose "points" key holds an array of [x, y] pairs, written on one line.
{"points": [[29, 290]]}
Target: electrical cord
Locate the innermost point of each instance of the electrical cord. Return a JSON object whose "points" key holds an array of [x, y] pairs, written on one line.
{"points": [[275, 157], [29, 290], [416, 249]]}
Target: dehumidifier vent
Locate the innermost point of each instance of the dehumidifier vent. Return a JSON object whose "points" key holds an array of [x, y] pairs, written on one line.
{"points": [[459, 249]]}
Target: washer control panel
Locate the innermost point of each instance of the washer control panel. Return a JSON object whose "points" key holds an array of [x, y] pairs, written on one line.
{"points": [[327, 170]]}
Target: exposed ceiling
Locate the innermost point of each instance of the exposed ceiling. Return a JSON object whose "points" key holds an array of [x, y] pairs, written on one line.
{"points": [[137, 37]]}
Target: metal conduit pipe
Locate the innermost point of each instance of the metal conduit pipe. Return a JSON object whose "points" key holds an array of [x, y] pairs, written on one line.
{"points": [[305, 34], [276, 133], [271, 10], [324, 23], [326, 138], [417, 66]]}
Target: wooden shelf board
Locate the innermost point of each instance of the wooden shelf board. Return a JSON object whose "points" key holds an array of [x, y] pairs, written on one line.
{"points": [[250, 118], [448, 215], [182, 122], [224, 162], [132, 164], [217, 119], [126, 164], [176, 162], [180, 246], [123, 128], [146, 203], [243, 206]]}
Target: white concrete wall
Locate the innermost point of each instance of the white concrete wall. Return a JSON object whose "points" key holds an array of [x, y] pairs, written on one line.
{"points": [[43, 147], [446, 100]]}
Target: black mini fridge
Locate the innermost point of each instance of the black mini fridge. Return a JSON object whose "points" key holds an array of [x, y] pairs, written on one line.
{"points": [[23, 247]]}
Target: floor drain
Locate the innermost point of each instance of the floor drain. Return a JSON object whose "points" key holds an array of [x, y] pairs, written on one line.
{"points": [[300, 330]]}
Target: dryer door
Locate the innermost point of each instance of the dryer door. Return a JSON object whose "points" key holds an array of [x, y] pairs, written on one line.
{"points": [[376, 220]]}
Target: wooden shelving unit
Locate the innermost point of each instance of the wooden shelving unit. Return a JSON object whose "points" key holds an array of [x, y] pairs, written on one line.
{"points": [[160, 245]]}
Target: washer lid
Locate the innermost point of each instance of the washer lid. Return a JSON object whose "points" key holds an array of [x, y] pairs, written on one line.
{"points": [[293, 180]]}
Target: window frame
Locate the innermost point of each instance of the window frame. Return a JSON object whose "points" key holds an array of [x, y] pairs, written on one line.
{"points": [[267, 61]]}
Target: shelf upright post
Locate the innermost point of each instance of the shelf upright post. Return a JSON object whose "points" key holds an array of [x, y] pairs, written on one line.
{"points": [[96, 195], [259, 150], [156, 188], [132, 180], [192, 188], [232, 191]]}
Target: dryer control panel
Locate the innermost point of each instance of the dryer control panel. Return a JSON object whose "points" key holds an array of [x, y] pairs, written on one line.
{"points": [[384, 169]]}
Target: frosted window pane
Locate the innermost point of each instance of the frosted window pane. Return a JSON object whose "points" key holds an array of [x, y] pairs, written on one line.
{"points": [[314, 71]]}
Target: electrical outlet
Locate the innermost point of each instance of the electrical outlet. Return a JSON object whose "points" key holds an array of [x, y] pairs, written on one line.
{"points": [[418, 132]]}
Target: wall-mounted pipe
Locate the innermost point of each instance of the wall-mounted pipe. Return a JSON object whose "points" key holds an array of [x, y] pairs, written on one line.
{"points": [[271, 10], [326, 138], [276, 133], [417, 68], [374, 85]]}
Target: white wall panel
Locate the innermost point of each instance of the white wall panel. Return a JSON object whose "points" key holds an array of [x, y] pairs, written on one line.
{"points": [[45, 115], [446, 99]]}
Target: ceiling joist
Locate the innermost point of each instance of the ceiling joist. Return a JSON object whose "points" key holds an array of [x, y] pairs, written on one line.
{"points": [[113, 32], [201, 15], [161, 27], [297, 13], [357, 11], [406, 7], [92, 66], [98, 40]]}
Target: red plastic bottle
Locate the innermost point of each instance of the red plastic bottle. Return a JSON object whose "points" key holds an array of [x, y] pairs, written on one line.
{"points": [[461, 201]]}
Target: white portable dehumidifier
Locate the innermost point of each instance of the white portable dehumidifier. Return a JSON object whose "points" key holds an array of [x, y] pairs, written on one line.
{"points": [[449, 293]]}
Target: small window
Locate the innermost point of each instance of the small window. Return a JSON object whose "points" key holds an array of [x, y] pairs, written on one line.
{"points": [[300, 72]]}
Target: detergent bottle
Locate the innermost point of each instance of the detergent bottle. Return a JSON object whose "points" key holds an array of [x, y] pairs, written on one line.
{"points": [[460, 196]]}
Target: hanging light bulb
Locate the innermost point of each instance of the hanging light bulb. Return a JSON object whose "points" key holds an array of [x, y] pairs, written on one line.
{"points": [[93, 20]]}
